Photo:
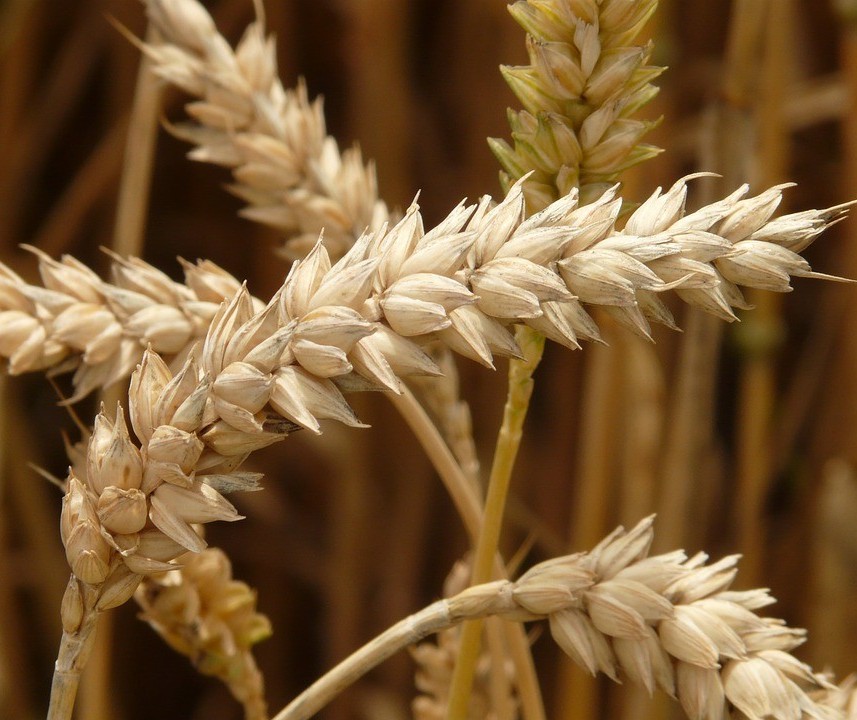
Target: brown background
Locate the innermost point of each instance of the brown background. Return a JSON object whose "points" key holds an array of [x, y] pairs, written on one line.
{"points": [[353, 531]]}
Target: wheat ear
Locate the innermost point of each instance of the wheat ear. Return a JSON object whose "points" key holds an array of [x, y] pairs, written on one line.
{"points": [[266, 372], [74, 321], [285, 165], [664, 621], [203, 613], [585, 80], [481, 269]]}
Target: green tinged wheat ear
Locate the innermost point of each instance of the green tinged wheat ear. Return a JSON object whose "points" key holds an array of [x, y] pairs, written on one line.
{"points": [[585, 80], [206, 615]]}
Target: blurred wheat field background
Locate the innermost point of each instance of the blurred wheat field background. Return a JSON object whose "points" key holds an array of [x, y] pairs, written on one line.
{"points": [[743, 438]]}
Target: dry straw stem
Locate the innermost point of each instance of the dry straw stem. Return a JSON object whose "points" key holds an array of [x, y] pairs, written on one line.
{"points": [[664, 621], [453, 415], [467, 503], [435, 663], [506, 450], [135, 183], [354, 325], [75, 647]]}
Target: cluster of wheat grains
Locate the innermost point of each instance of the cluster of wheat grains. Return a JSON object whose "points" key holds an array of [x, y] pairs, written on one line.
{"points": [[379, 300]]}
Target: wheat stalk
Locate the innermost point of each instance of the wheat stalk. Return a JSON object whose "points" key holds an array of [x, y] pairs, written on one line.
{"points": [[665, 621]]}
